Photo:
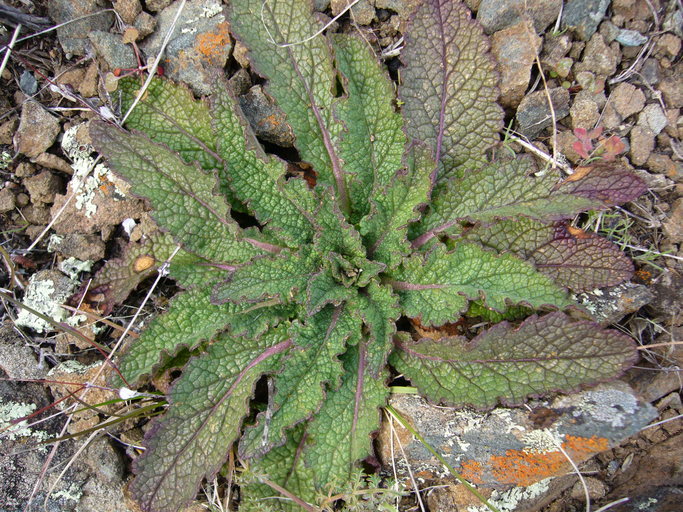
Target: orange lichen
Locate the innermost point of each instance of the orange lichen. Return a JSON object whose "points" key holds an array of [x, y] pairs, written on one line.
{"points": [[212, 44], [521, 468]]}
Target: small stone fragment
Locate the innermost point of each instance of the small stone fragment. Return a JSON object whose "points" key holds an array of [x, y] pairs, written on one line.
{"points": [[627, 37], [128, 9], [609, 305], [362, 13], [145, 23], [673, 227], [596, 489], [157, 5], [495, 15], [73, 36], [88, 87], [111, 48], [653, 118], [584, 112], [672, 89], [584, 16], [7, 200], [598, 58], [38, 129], [533, 113], [77, 245], [668, 45], [43, 187], [53, 162], [565, 145], [642, 142], [7, 130], [515, 49], [627, 99], [266, 118], [28, 83]]}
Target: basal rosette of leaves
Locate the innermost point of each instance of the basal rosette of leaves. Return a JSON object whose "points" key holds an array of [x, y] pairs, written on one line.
{"points": [[407, 218]]}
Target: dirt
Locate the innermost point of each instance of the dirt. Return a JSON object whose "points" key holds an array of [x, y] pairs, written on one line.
{"points": [[634, 93]]}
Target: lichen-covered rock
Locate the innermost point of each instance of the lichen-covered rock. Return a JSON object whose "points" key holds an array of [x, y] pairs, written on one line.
{"points": [[199, 46], [266, 118], [111, 48], [514, 447], [46, 292]]}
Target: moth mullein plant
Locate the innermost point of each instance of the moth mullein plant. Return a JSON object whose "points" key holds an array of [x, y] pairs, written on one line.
{"points": [[406, 218]]}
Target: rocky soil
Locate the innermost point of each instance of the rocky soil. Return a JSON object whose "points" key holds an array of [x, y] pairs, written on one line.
{"points": [[71, 234]]}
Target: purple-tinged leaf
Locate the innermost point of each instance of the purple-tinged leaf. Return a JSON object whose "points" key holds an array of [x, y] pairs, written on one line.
{"points": [[207, 405], [449, 87], [607, 183], [506, 364], [574, 258]]}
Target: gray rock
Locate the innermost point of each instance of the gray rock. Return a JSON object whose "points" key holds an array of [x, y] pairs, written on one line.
{"points": [[112, 50], [37, 131], [265, 117], [145, 23], [199, 46], [653, 117], [515, 49], [627, 37], [28, 83], [506, 447], [584, 16], [74, 36], [495, 15], [650, 71], [533, 113], [43, 187]]}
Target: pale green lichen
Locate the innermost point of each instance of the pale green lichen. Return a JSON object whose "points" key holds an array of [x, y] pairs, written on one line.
{"points": [[508, 501], [43, 296], [72, 493], [11, 411], [73, 266]]}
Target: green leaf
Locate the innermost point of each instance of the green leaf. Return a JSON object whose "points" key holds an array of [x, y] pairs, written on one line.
{"points": [[207, 404], [323, 289], [371, 146], [506, 364], [436, 287], [283, 466], [340, 431], [280, 277], [168, 114], [181, 194], [333, 232], [298, 66], [449, 87], [191, 319], [574, 258], [500, 190], [257, 180], [384, 230], [312, 368]]}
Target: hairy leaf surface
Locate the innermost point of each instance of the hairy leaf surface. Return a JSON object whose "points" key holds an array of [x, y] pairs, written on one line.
{"points": [[182, 195], [312, 368], [300, 77], [257, 180], [574, 258], [449, 87], [504, 364], [208, 402], [436, 287], [371, 147], [385, 229]]}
